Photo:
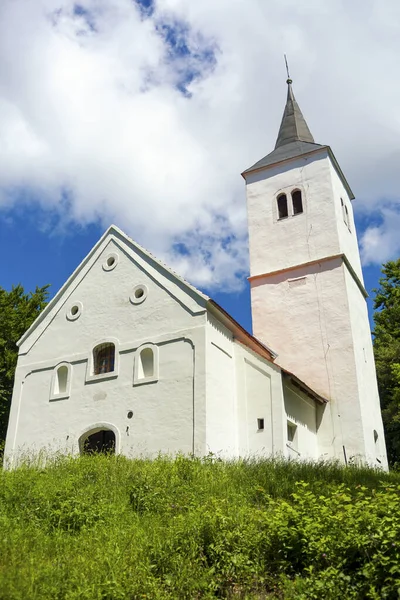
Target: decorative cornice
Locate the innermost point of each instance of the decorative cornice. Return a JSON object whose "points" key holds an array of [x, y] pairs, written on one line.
{"points": [[315, 262]]}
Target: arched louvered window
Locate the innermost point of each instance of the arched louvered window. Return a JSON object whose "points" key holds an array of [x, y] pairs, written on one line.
{"points": [[282, 206], [104, 358], [297, 202]]}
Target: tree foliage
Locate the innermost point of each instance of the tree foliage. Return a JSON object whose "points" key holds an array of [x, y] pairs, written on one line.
{"points": [[387, 354], [18, 310]]}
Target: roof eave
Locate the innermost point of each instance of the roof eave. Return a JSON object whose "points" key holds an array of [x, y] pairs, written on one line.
{"points": [[303, 387], [240, 332], [117, 233], [341, 174], [251, 170]]}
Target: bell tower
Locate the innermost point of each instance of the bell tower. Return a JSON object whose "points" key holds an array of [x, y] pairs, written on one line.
{"points": [[307, 291]]}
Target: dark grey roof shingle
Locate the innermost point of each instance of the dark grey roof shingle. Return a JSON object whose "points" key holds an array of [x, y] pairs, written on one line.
{"points": [[294, 137], [284, 152], [293, 125]]}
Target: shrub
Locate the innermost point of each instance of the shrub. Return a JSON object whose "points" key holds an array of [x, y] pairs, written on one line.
{"points": [[105, 527]]}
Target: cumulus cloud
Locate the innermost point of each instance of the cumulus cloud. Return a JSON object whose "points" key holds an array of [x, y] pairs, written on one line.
{"points": [[145, 113], [381, 242]]}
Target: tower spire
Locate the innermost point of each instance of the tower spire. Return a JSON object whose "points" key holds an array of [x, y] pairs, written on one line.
{"points": [[293, 125]]}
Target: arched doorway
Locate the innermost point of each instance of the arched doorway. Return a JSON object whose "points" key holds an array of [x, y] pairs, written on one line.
{"points": [[99, 440]]}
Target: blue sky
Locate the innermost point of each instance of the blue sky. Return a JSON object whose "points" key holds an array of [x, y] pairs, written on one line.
{"points": [[145, 113], [40, 256]]}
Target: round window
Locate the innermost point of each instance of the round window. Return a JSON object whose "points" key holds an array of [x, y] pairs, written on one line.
{"points": [[111, 262], [74, 311], [139, 294]]}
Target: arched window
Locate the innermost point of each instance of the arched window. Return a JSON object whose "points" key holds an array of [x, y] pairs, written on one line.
{"points": [[146, 363], [61, 382], [103, 358], [282, 206], [297, 202]]}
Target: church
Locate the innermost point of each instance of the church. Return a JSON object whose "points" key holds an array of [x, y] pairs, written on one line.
{"points": [[130, 358]]}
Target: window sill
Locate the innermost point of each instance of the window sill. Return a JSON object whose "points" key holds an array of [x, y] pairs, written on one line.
{"points": [[101, 377], [55, 397], [153, 379]]}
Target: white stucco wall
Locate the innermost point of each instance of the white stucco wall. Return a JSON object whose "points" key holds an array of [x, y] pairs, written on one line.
{"points": [[168, 414], [347, 238], [310, 235], [314, 315], [366, 375], [259, 395], [301, 411], [221, 413]]}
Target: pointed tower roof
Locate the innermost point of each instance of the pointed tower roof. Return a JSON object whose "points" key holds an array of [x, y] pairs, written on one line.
{"points": [[293, 126], [294, 137]]}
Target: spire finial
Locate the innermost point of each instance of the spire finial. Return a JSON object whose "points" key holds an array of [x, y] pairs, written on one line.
{"points": [[293, 126], [288, 80]]}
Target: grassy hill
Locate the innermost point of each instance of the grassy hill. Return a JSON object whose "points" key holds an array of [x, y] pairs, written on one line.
{"points": [[109, 528]]}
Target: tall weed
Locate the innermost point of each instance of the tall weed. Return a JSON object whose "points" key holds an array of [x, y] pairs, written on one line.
{"points": [[110, 528]]}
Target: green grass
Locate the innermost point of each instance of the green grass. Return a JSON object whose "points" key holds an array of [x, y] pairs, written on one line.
{"points": [[110, 528]]}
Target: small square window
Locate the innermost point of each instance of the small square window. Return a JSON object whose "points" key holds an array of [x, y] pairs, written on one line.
{"points": [[260, 424]]}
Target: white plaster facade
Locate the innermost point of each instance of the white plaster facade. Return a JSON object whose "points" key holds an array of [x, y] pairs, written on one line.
{"points": [[212, 387], [308, 298], [184, 376]]}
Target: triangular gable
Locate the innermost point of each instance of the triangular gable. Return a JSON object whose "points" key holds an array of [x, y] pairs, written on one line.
{"points": [[186, 294]]}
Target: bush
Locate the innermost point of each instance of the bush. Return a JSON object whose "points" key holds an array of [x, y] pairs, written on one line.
{"points": [[109, 528]]}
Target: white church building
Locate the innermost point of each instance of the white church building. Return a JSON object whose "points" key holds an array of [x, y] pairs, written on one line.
{"points": [[130, 357]]}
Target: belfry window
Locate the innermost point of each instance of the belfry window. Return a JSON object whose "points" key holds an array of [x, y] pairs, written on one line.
{"points": [[104, 358], [297, 202], [282, 206]]}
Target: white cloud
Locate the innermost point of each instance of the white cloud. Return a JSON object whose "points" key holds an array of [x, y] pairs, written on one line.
{"points": [[90, 108], [381, 242]]}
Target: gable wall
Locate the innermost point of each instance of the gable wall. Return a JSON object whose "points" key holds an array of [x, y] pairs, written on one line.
{"points": [[168, 414], [108, 312]]}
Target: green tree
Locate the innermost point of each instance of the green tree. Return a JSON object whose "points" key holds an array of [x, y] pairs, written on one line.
{"points": [[18, 310], [387, 354]]}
